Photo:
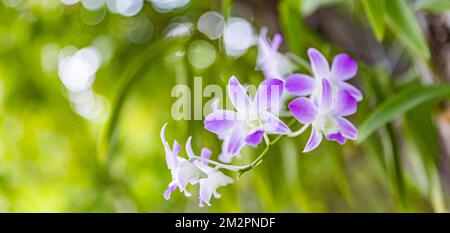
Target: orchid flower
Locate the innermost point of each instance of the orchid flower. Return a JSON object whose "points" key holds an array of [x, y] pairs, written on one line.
{"points": [[251, 119], [272, 63], [326, 115], [342, 69], [183, 171], [214, 179]]}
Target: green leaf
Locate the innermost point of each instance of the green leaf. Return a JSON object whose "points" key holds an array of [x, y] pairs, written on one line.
{"points": [[399, 104], [401, 18], [375, 11], [433, 6], [310, 6], [422, 135]]}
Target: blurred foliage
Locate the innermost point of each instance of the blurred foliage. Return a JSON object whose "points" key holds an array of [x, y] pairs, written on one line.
{"points": [[54, 159]]}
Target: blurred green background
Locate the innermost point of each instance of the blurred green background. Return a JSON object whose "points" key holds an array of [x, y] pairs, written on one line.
{"points": [[85, 87]]}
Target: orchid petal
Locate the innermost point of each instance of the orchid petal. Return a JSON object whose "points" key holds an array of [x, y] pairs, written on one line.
{"points": [[268, 95], [171, 157], [343, 67], [172, 187], [326, 97], [345, 104], [347, 129], [300, 84], [238, 95], [217, 195], [254, 138], [188, 173], [319, 64], [225, 157], [190, 153], [209, 185], [336, 137], [205, 154], [220, 121], [176, 148], [236, 141], [313, 141], [273, 125], [276, 42], [353, 91], [303, 110]]}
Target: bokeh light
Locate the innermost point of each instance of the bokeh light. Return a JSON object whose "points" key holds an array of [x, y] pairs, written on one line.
{"points": [[93, 4], [238, 36], [201, 54], [77, 71], [164, 6], [211, 24]]}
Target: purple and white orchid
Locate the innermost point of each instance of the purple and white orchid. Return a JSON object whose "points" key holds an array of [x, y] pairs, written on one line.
{"points": [[251, 119], [326, 115], [183, 171], [342, 69], [272, 63], [194, 171]]}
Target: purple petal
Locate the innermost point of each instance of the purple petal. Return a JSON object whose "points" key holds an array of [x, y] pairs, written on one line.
{"points": [[300, 84], [254, 138], [262, 39], [264, 48], [176, 148], [206, 153], [319, 64], [326, 97], [345, 104], [347, 129], [169, 191], [225, 157], [220, 121], [353, 91], [343, 68], [313, 141], [269, 94], [336, 137], [236, 141], [273, 125], [238, 95], [303, 110], [276, 42]]}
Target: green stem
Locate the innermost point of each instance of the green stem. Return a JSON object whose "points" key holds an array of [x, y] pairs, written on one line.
{"points": [[236, 168]]}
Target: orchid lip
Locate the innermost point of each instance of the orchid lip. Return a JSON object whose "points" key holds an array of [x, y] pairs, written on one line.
{"points": [[327, 124]]}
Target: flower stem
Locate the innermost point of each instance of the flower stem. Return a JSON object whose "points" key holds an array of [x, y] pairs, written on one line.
{"points": [[298, 132], [257, 161], [220, 165]]}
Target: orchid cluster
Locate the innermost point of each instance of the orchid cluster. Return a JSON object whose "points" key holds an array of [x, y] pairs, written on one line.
{"points": [[321, 101]]}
